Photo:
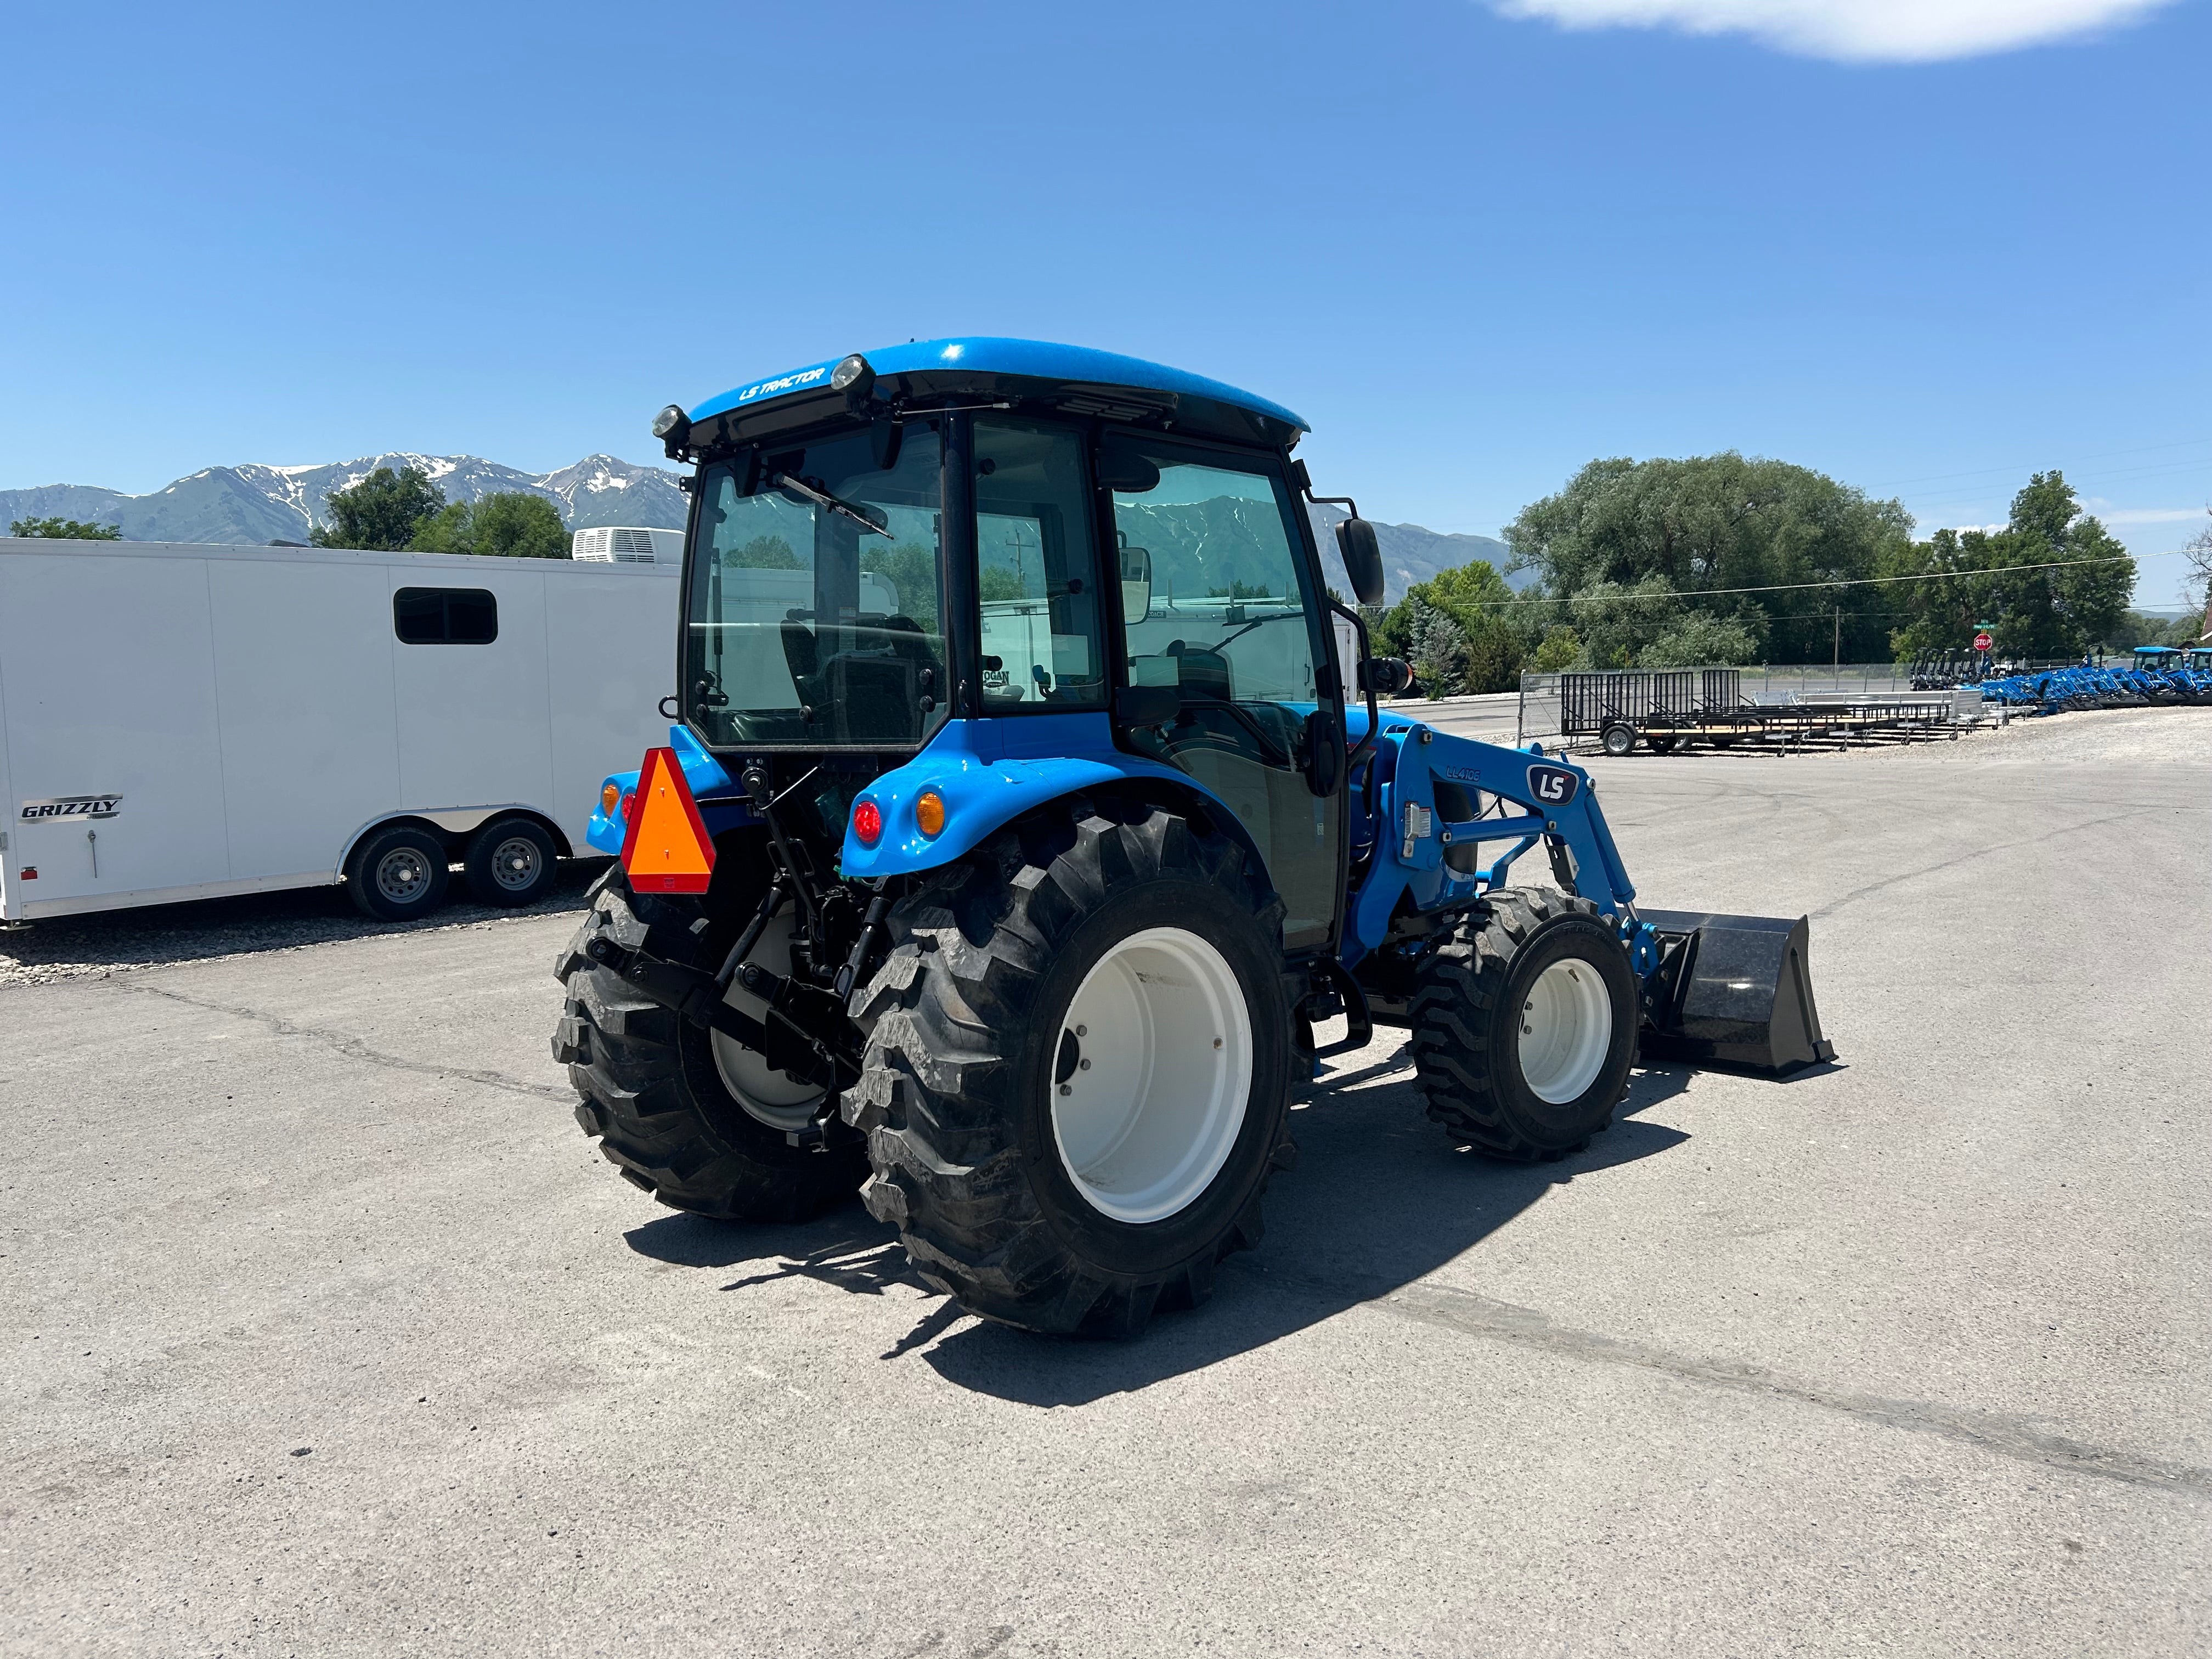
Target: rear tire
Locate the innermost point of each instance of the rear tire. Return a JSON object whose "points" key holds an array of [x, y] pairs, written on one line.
{"points": [[1524, 1026], [1045, 1184], [511, 863], [655, 1096], [399, 873]]}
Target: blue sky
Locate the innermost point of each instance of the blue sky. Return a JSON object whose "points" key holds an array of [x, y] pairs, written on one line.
{"points": [[1474, 249]]}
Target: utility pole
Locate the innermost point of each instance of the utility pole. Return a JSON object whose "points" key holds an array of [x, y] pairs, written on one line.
{"points": [[1836, 663]]}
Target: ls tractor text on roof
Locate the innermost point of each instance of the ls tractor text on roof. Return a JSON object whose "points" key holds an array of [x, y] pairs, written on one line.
{"points": [[1023, 817]]}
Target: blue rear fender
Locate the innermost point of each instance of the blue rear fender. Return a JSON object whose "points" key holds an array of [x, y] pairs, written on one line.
{"points": [[703, 774], [990, 772]]}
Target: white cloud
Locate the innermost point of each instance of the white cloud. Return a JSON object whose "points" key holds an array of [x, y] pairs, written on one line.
{"points": [[2150, 514], [1852, 31]]}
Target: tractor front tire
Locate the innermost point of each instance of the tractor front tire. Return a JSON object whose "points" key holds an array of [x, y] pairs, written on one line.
{"points": [[1077, 1069], [658, 1104], [1524, 1026]]}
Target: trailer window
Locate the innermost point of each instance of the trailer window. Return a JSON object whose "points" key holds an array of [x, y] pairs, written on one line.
{"points": [[445, 615]]}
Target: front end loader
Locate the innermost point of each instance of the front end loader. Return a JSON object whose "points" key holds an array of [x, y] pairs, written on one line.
{"points": [[1028, 809]]}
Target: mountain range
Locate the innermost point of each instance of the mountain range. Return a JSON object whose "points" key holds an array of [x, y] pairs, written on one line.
{"points": [[257, 504]]}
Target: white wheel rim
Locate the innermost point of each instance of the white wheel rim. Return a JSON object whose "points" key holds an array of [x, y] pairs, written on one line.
{"points": [[1157, 1046], [767, 1095], [1566, 1030]]}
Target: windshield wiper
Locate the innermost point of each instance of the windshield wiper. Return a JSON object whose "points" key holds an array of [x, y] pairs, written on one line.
{"points": [[823, 498]]}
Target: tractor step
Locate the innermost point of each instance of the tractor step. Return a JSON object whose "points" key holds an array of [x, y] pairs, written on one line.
{"points": [[1735, 990]]}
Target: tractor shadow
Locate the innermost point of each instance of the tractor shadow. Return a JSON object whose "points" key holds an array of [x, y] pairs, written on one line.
{"points": [[1380, 1198]]}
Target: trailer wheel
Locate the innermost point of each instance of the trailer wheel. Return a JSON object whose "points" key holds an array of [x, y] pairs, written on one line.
{"points": [[397, 873], [656, 1093], [510, 863], [1618, 738], [1524, 1025], [1661, 743], [1077, 1071]]}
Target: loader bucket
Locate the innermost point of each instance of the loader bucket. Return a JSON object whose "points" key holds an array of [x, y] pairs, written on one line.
{"points": [[1733, 989]]}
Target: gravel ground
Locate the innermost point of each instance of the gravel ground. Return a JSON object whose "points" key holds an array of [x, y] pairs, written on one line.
{"points": [[210, 929]]}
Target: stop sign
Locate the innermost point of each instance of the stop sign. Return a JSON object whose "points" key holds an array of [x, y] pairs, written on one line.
{"points": [[1983, 641]]}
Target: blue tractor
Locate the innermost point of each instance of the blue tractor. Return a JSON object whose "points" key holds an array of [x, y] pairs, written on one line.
{"points": [[1049, 810]]}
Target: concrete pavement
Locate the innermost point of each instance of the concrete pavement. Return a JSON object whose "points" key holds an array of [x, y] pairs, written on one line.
{"points": [[328, 1332]]}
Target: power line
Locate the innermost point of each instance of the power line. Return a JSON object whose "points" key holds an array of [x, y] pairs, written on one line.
{"points": [[1792, 587]]}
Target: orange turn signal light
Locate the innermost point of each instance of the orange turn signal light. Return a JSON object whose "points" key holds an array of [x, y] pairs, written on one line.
{"points": [[609, 798], [929, 812]]}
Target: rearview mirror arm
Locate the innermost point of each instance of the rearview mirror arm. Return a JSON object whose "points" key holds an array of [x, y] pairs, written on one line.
{"points": [[1364, 749]]}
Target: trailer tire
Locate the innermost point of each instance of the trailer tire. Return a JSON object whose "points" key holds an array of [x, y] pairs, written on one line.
{"points": [[511, 863], [1500, 1087], [1034, 1206], [652, 1095], [1618, 739], [397, 873], [1661, 743]]}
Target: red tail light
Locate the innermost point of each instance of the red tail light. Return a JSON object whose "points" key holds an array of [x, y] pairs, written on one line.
{"points": [[868, 822]]}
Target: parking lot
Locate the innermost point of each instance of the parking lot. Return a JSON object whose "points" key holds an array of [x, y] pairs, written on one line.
{"points": [[330, 1333]]}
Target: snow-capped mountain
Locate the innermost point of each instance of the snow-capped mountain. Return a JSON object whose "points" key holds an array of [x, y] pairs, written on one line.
{"points": [[257, 504]]}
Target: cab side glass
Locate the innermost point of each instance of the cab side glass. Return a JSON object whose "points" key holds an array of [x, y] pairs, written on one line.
{"points": [[1037, 576]]}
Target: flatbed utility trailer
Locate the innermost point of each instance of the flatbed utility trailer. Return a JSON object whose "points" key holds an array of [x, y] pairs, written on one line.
{"points": [[183, 721], [1006, 871], [1669, 709]]}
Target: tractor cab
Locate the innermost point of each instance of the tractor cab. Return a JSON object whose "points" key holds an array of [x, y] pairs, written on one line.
{"points": [[1067, 552]]}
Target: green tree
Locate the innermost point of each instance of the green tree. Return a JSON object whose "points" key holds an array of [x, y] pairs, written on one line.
{"points": [[1661, 528], [1436, 648], [65, 530], [1561, 649], [762, 553], [510, 524], [382, 512], [1487, 648], [2031, 613], [913, 570]]}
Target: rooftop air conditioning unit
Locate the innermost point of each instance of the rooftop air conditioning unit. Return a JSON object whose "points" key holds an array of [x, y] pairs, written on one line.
{"points": [[622, 544]]}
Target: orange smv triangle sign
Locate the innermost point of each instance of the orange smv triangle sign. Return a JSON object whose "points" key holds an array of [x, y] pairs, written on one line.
{"points": [[665, 848]]}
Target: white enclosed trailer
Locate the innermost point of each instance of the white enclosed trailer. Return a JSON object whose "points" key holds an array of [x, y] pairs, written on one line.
{"points": [[182, 721]]}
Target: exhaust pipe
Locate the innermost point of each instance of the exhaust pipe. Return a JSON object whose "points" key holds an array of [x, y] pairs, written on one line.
{"points": [[1733, 989]]}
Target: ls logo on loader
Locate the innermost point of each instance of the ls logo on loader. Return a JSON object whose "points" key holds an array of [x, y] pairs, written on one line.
{"points": [[1554, 786]]}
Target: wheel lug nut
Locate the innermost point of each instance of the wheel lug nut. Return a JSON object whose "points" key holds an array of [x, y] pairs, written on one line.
{"points": [[1082, 1065], [1083, 1030], [1066, 1090]]}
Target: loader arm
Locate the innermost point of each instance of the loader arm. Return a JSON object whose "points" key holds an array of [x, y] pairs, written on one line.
{"points": [[1517, 797], [1735, 990]]}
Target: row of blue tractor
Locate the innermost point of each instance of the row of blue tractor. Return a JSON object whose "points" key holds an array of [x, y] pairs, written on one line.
{"points": [[1029, 829], [2157, 674]]}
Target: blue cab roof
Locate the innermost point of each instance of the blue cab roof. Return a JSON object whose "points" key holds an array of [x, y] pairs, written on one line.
{"points": [[985, 355]]}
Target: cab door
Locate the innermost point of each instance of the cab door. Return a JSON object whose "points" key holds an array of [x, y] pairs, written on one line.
{"points": [[1234, 625]]}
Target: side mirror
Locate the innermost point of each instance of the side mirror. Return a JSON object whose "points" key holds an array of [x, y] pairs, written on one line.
{"points": [[1363, 558], [1136, 585], [1386, 676]]}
